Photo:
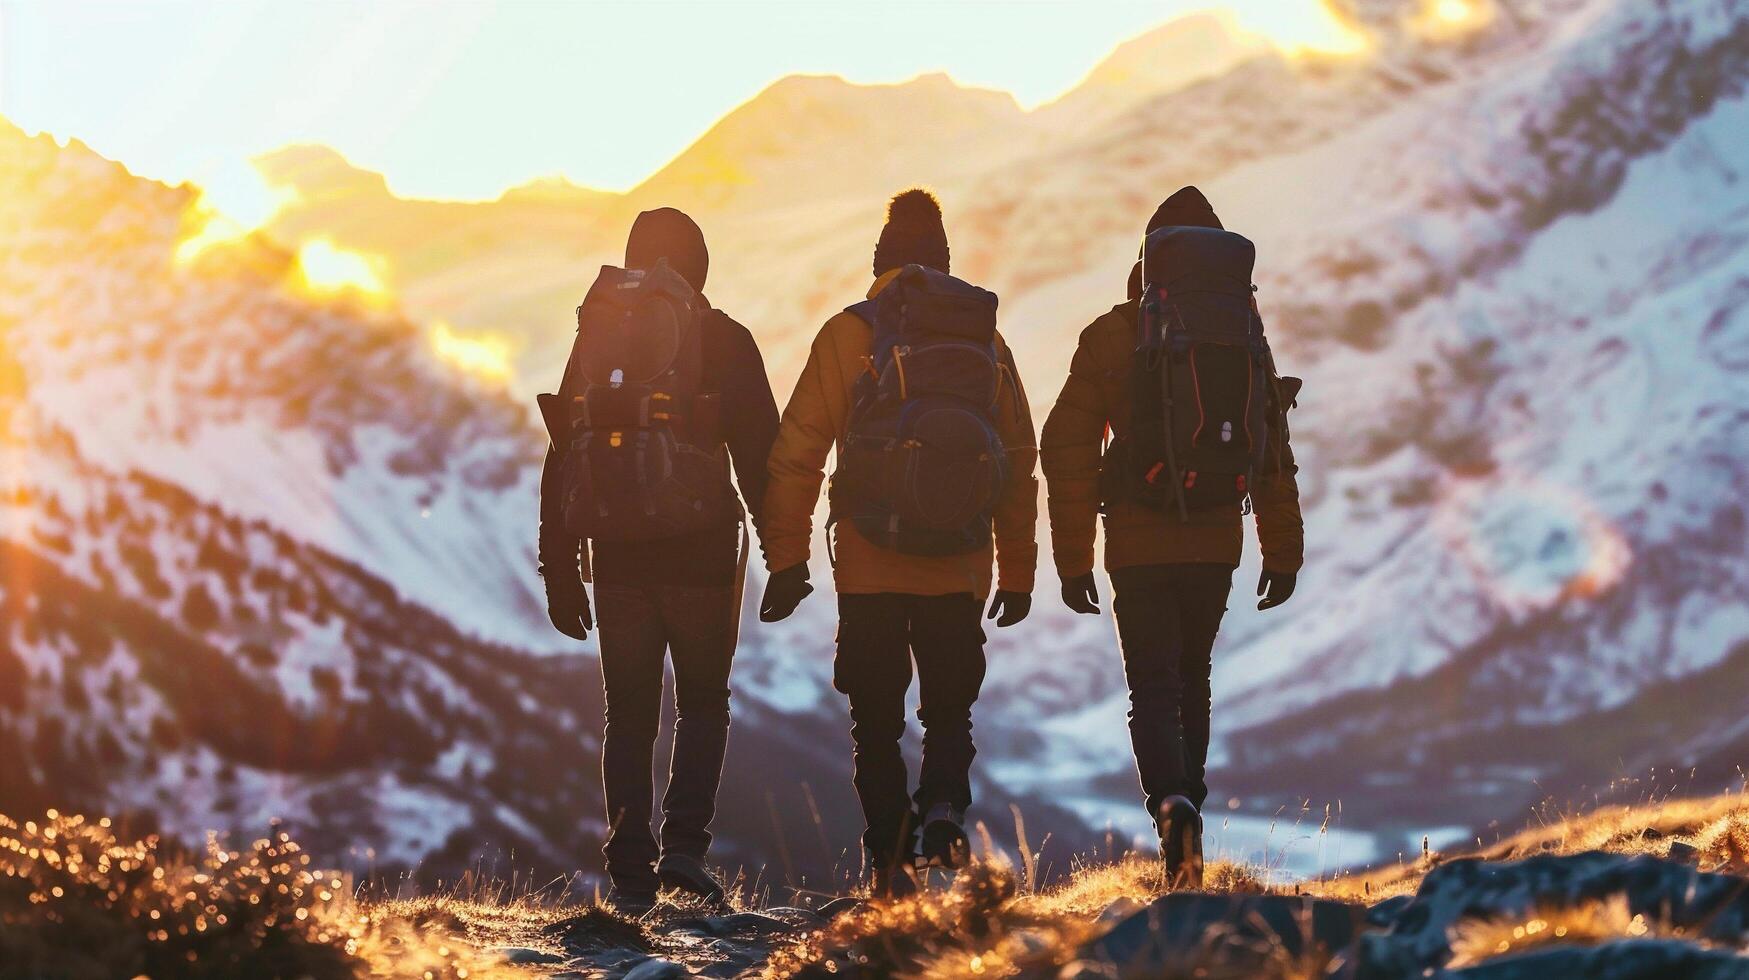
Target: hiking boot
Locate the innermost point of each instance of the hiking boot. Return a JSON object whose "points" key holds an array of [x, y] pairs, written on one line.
{"points": [[891, 881], [631, 903], [689, 874], [1180, 828], [944, 838]]}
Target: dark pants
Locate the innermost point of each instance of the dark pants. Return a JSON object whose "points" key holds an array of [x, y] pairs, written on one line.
{"points": [[637, 624], [1167, 618], [878, 637]]}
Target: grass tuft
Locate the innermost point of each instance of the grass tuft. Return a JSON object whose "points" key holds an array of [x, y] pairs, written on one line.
{"points": [[78, 900], [985, 924], [1590, 924]]}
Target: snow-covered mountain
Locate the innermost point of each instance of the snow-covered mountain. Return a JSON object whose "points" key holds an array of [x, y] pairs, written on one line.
{"points": [[1515, 289], [1510, 257]]}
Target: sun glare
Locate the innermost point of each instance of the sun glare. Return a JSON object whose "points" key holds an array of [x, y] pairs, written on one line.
{"points": [[235, 201], [482, 355], [326, 268], [1455, 16], [1324, 31]]}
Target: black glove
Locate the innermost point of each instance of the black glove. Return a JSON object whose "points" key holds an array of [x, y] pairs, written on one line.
{"points": [[1275, 587], [1081, 593], [785, 590], [568, 606], [1011, 606]]}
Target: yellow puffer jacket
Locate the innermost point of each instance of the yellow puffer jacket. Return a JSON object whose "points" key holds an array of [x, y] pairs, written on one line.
{"points": [[817, 420], [1097, 395]]}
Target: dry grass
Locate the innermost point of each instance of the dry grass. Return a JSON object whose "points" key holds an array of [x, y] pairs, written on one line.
{"points": [[1591, 924], [1717, 827], [984, 925], [77, 901], [76, 897]]}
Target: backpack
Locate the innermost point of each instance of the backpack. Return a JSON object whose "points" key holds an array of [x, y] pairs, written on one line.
{"points": [[1204, 400], [643, 457], [922, 463]]}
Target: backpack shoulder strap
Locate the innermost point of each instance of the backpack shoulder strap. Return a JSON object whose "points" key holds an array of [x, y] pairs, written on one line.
{"points": [[864, 310]]}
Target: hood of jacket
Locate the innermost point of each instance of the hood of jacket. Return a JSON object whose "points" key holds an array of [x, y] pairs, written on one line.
{"points": [[1186, 206]]}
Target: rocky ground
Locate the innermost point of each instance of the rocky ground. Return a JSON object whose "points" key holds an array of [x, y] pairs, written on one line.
{"points": [[1655, 891]]}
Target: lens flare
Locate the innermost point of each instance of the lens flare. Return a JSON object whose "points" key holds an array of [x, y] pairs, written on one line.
{"points": [[482, 355], [1532, 543], [327, 269]]}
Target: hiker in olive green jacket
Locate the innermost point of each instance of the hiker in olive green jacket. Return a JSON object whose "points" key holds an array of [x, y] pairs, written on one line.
{"points": [[1171, 573]]}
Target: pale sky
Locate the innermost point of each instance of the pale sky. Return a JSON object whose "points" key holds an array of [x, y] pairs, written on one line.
{"points": [[463, 99]]}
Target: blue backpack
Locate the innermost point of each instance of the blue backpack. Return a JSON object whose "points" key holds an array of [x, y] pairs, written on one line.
{"points": [[922, 465]]}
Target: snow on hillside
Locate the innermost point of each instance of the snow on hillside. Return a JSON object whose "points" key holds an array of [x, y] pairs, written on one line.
{"points": [[1585, 556], [327, 420], [1516, 298], [1495, 315], [167, 659]]}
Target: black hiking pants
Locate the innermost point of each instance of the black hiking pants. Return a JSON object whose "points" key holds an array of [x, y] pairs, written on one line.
{"points": [[638, 624], [1167, 618], [878, 638]]}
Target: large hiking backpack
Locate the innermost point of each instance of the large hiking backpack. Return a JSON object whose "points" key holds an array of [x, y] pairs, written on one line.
{"points": [[1204, 406], [644, 457], [922, 463]]}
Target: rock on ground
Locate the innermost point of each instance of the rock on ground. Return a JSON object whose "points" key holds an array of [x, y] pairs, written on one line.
{"points": [[1707, 906], [1697, 923]]}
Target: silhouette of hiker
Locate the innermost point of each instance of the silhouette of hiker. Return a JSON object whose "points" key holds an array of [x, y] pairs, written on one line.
{"points": [[1171, 544], [910, 585], [650, 383]]}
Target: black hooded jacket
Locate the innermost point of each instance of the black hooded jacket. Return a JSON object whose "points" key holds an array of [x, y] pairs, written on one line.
{"points": [[732, 366]]}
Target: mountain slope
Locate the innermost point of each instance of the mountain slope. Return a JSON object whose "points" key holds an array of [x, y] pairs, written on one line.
{"points": [[1189, 49]]}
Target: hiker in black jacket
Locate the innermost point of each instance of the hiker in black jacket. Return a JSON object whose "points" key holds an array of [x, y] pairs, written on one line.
{"points": [[678, 594]]}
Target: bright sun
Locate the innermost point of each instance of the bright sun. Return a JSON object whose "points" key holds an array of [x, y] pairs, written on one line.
{"points": [[327, 268], [1328, 33], [235, 201]]}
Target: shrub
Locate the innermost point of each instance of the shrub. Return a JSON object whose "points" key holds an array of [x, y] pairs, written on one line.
{"points": [[79, 901]]}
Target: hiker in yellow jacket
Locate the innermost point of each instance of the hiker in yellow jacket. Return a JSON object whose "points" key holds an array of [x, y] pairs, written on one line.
{"points": [[1171, 571], [895, 607]]}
